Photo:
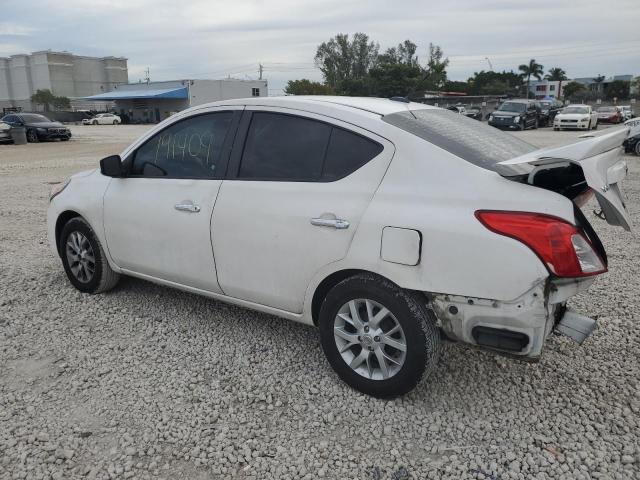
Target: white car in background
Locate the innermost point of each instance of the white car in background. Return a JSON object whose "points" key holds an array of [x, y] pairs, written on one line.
{"points": [[386, 224], [102, 119], [581, 117], [5, 133], [627, 112]]}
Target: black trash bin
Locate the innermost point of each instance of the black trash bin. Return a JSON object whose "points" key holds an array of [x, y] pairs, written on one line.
{"points": [[19, 135]]}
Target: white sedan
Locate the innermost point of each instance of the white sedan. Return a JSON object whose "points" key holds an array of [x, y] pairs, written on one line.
{"points": [[102, 119], [388, 225], [581, 117]]}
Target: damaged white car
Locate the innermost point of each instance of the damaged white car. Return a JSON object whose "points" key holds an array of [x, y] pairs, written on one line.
{"points": [[388, 225]]}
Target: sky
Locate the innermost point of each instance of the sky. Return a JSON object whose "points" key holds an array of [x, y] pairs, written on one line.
{"points": [[181, 39]]}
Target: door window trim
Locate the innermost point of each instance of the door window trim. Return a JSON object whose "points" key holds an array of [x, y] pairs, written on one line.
{"points": [[225, 150], [235, 161]]}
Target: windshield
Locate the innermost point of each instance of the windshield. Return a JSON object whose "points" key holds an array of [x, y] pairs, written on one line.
{"points": [[33, 118], [575, 110], [464, 137], [606, 109], [512, 107]]}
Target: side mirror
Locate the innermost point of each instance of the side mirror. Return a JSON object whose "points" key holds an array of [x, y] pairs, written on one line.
{"points": [[112, 166]]}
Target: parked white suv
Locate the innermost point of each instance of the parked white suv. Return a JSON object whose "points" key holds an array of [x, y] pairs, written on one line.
{"points": [[388, 225]]}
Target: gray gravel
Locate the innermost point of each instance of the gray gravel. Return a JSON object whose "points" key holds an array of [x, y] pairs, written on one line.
{"points": [[148, 382]]}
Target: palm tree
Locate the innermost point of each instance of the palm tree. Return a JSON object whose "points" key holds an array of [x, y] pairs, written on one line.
{"points": [[556, 74], [598, 82], [532, 70]]}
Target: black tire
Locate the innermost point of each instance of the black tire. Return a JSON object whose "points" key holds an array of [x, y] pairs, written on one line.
{"points": [[115, 122], [411, 312], [595, 127], [556, 129], [32, 136], [65, 139], [637, 148], [523, 125], [95, 122], [103, 277], [536, 124]]}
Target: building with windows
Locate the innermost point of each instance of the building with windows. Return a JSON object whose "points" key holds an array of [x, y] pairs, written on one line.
{"points": [[151, 102], [547, 88], [63, 73]]}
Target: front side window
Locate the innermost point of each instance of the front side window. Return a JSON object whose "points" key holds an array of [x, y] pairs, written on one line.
{"points": [[190, 148], [291, 148]]}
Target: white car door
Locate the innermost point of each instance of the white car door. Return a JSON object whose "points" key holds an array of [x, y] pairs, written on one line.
{"points": [[297, 187], [158, 219]]}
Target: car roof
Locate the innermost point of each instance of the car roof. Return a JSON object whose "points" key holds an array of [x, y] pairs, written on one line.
{"points": [[520, 100], [378, 106]]}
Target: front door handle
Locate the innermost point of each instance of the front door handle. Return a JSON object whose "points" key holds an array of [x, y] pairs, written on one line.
{"points": [[336, 223], [187, 206]]}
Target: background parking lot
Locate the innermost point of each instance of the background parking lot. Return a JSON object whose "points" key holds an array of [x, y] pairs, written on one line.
{"points": [[149, 382]]}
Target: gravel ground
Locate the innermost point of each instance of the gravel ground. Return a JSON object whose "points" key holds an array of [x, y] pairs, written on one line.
{"points": [[149, 382]]}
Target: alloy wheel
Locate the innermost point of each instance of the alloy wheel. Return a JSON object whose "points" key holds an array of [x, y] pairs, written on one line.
{"points": [[80, 257], [370, 339]]}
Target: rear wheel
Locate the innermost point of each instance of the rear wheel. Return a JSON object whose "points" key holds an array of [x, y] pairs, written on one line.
{"points": [[95, 122], [536, 124], [595, 125], [115, 122], [379, 338], [84, 259], [637, 148]]}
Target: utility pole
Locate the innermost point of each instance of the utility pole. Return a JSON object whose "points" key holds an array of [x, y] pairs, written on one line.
{"points": [[260, 69]]}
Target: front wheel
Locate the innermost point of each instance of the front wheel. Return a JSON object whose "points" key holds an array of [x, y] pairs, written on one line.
{"points": [[32, 136], [84, 259], [115, 122], [379, 338], [637, 148]]}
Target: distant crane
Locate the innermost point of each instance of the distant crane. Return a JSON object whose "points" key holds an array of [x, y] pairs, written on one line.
{"points": [[489, 62]]}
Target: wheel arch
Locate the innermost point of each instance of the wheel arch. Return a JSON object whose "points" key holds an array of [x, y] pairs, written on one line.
{"points": [[331, 281], [61, 221]]}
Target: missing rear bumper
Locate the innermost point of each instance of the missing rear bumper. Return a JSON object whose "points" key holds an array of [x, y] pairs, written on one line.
{"points": [[576, 326]]}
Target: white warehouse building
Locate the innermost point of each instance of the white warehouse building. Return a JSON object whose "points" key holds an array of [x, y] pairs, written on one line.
{"points": [[64, 74], [154, 101]]}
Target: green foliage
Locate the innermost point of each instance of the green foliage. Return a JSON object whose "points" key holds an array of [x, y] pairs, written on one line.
{"points": [[574, 90], [307, 87], [47, 99], [455, 86], [556, 74], [494, 83], [61, 103], [532, 69], [354, 67], [617, 89], [341, 59], [43, 97], [394, 79]]}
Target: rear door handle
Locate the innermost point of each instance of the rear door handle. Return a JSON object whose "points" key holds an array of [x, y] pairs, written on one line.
{"points": [[187, 206], [336, 223]]}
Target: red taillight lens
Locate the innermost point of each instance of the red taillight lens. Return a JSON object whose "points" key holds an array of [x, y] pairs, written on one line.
{"points": [[560, 245]]}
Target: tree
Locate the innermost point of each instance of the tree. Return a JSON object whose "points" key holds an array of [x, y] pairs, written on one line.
{"points": [[598, 82], [533, 69], [436, 71], [394, 79], [574, 89], [43, 97], [556, 74], [404, 53], [456, 86], [61, 103], [635, 85], [494, 83], [307, 87], [340, 59], [617, 89]]}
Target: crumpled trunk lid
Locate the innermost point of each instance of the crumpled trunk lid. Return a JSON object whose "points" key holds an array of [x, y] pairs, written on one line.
{"points": [[599, 162]]}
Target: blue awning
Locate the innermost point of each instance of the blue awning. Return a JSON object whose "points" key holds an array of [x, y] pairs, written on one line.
{"points": [[180, 92]]}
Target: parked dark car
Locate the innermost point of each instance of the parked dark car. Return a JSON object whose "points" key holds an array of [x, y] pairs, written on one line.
{"points": [[38, 126], [516, 114], [548, 111], [632, 143], [608, 115], [474, 112]]}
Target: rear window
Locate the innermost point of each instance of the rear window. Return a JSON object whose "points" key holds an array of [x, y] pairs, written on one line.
{"points": [[464, 137]]}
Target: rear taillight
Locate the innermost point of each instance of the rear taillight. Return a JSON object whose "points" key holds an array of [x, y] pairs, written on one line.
{"points": [[561, 246]]}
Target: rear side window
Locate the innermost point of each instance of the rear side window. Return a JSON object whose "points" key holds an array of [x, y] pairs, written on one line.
{"points": [[464, 137], [291, 148]]}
